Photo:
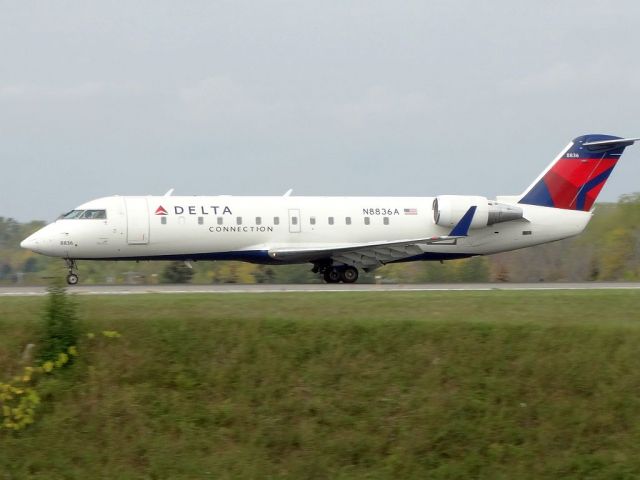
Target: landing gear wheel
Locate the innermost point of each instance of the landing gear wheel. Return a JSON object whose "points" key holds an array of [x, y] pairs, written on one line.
{"points": [[332, 275], [349, 274], [72, 278]]}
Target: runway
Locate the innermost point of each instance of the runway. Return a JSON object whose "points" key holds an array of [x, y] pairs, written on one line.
{"points": [[313, 288]]}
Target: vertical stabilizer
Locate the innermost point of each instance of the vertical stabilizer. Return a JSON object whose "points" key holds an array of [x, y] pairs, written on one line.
{"points": [[576, 176]]}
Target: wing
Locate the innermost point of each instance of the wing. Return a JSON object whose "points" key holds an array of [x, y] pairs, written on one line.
{"points": [[371, 255]]}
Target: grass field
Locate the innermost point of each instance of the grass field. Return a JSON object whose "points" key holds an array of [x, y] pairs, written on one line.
{"points": [[351, 385]]}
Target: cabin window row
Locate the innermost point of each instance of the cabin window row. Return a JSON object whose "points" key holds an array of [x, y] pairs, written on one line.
{"points": [[220, 220], [347, 220], [276, 220]]}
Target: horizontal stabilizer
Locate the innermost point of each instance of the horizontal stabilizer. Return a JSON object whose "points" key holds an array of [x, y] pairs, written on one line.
{"points": [[616, 142], [462, 228]]}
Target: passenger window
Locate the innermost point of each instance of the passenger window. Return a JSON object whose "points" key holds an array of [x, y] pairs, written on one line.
{"points": [[312, 220], [220, 220], [200, 220], [276, 220], [258, 220], [330, 220], [239, 220], [367, 220], [163, 220], [385, 220], [347, 220], [294, 220]]}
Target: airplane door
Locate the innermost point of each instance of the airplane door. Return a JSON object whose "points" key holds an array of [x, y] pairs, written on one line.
{"points": [[137, 221], [294, 220]]}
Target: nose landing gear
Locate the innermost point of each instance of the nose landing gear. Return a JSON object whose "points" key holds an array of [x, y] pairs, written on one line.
{"points": [[72, 278]]}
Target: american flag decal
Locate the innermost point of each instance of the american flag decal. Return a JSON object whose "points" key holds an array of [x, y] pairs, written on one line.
{"points": [[410, 211]]}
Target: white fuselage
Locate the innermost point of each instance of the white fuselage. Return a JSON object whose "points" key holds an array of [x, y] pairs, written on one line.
{"points": [[248, 228]]}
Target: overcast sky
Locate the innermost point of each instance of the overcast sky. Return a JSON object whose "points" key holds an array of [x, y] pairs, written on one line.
{"points": [[333, 97]]}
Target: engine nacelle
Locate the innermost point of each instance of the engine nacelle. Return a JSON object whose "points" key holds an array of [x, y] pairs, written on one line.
{"points": [[448, 210]]}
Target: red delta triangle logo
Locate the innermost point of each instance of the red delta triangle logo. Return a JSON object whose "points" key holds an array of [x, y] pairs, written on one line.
{"points": [[161, 211]]}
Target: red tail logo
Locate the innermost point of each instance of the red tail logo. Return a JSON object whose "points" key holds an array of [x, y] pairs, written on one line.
{"points": [[161, 211]]}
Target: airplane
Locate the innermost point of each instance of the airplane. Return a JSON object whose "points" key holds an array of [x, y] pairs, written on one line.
{"points": [[337, 235]]}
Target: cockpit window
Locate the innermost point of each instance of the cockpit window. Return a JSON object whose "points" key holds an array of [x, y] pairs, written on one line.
{"points": [[86, 214], [94, 214], [73, 214]]}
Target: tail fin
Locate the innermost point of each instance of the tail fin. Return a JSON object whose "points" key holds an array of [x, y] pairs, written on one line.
{"points": [[576, 176]]}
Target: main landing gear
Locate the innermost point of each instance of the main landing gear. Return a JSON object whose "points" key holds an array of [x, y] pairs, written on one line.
{"points": [[337, 274], [72, 278]]}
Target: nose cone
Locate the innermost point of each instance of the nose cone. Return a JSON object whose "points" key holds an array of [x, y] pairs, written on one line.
{"points": [[47, 241], [30, 243]]}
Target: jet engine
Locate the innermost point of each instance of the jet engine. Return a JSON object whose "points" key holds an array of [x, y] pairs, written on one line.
{"points": [[449, 209]]}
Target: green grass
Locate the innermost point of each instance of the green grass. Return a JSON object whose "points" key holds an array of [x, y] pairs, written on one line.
{"points": [[351, 385]]}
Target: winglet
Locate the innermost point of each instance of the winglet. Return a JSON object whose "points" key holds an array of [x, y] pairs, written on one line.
{"points": [[462, 228]]}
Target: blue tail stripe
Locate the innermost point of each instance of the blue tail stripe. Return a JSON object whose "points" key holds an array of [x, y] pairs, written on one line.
{"points": [[586, 188]]}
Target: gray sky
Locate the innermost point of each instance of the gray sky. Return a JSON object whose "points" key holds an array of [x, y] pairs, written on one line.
{"points": [[333, 97]]}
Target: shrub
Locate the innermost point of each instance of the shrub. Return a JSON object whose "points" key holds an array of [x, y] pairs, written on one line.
{"points": [[60, 330], [176, 272]]}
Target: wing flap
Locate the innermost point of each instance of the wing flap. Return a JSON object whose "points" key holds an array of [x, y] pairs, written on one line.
{"points": [[361, 255]]}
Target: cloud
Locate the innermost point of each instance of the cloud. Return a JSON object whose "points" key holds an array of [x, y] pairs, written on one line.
{"points": [[82, 91], [219, 91], [554, 77], [382, 103], [221, 99], [596, 77]]}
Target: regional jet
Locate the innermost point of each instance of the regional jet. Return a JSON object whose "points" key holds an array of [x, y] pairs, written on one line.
{"points": [[337, 235]]}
